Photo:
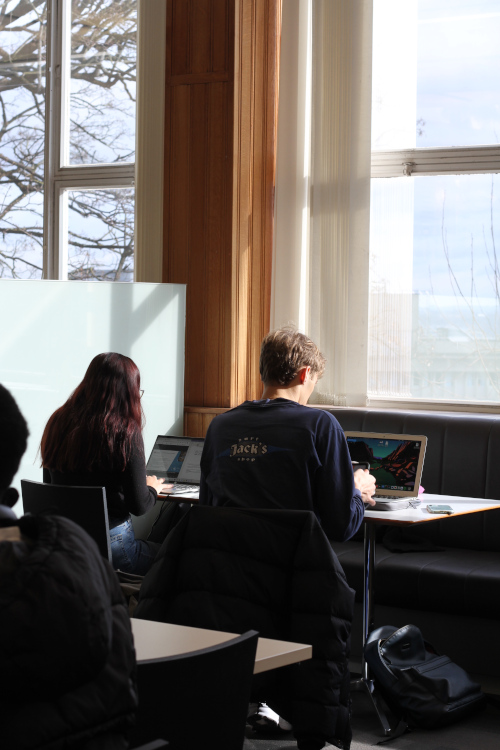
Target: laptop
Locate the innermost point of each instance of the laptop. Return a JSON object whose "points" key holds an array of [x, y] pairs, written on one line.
{"points": [[177, 460], [396, 462]]}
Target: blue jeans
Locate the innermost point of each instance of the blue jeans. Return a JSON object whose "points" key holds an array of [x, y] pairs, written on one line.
{"points": [[128, 553]]}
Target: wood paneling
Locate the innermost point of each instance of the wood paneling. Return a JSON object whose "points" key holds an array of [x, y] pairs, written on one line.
{"points": [[197, 419], [220, 144], [199, 234], [201, 34], [258, 24], [198, 170]]}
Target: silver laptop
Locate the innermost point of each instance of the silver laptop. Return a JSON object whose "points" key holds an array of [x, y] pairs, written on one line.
{"points": [[396, 462], [177, 460]]}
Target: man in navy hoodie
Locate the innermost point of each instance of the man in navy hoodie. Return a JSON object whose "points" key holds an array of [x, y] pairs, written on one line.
{"points": [[279, 453]]}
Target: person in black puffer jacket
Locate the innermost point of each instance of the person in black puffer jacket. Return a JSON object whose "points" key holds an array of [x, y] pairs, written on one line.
{"points": [[274, 571], [67, 659]]}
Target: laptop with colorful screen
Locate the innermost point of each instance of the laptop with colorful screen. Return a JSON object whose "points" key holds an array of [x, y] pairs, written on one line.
{"points": [[396, 462]]}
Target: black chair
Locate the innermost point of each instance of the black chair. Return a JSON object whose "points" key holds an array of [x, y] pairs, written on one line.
{"points": [[199, 699], [86, 506]]}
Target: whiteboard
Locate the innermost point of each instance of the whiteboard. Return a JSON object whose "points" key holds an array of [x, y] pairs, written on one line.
{"points": [[51, 330]]}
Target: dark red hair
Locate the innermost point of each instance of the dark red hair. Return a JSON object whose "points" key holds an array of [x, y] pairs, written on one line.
{"points": [[96, 427]]}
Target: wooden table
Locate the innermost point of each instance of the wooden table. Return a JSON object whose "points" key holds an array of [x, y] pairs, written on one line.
{"points": [[155, 640], [407, 517]]}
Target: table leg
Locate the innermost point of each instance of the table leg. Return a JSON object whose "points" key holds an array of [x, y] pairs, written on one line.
{"points": [[369, 569], [365, 683]]}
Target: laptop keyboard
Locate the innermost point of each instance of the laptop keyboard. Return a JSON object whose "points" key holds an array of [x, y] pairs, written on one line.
{"points": [[391, 497], [414, 502], [181, 488]]}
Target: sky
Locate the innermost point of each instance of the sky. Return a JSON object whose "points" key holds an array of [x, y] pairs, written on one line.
{"points": [[448, 80], [436, 84]]}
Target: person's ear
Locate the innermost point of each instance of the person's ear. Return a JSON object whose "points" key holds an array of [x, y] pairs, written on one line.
{"points": [[304, 373]]}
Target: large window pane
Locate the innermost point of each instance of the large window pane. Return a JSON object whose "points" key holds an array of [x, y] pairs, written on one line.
{"points": [[435, 288], [435, 73], [103, 81], [22, 122], [100, 239], [394, 74]]}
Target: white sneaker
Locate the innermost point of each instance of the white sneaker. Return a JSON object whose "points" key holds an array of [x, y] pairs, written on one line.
{"points": [[264, 719]]}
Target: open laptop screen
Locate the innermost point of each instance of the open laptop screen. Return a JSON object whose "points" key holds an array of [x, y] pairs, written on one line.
{"points": [[396, 461], [176, 459]]}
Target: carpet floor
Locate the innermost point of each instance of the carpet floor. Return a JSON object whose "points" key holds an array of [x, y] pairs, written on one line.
{"points": [[479, 732]]}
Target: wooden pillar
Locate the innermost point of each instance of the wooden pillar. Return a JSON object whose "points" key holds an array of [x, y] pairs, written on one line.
{"points": [[258, 24], [220, 148]]}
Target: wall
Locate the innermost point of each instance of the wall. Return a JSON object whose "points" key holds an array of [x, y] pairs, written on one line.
{"points": [[220, 144]]}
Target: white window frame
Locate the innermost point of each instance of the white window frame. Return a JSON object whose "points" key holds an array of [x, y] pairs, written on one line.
{"points": [[436, 161], [146, 174], [352, 79], [429, 162]]}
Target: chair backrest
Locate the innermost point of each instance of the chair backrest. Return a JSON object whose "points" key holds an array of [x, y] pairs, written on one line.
{"points": [[199, 699], [86, 506]]}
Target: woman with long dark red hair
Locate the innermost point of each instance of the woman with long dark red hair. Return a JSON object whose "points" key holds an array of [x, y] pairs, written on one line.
{"points": [[95, 439]]}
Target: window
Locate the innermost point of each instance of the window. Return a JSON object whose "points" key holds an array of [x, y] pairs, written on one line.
{"points": [[434, 330], [67, 138]]}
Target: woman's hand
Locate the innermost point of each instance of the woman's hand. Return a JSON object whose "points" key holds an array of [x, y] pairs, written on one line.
{"points": [[157, 484]]}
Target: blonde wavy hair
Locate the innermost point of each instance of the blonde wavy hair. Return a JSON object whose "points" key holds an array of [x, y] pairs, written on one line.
{"points": [[284, 352]]}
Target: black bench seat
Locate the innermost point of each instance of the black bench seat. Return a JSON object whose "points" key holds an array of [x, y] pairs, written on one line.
{"points": [[450, 581], [454, 581]]}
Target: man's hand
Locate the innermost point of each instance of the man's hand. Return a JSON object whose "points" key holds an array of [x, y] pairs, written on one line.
{"points": [[365, 483]]}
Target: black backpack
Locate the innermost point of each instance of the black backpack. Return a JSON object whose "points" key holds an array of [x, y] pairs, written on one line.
{"points": [[424, 688]]}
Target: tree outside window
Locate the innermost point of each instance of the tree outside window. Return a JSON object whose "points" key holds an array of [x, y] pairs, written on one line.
{"points": [[67, 138]]}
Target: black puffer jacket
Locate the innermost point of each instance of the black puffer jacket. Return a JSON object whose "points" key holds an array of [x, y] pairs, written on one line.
{"points": [[274, 571], [67, 661]]}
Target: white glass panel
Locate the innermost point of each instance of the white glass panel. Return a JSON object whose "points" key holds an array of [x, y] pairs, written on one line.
{"points": [[57, 327], [22, 123], [100, 240], [103, 81], [435, 288], [435, 69]]}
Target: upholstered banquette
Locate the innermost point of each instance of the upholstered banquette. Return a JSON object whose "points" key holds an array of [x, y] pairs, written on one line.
{"points": [[443, 576]]}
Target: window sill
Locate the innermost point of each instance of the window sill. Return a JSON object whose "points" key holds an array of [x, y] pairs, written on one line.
{"points": [[420, 406]]}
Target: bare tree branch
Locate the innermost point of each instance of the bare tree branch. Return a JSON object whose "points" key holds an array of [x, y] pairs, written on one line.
{"points": [[103, 72]]}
